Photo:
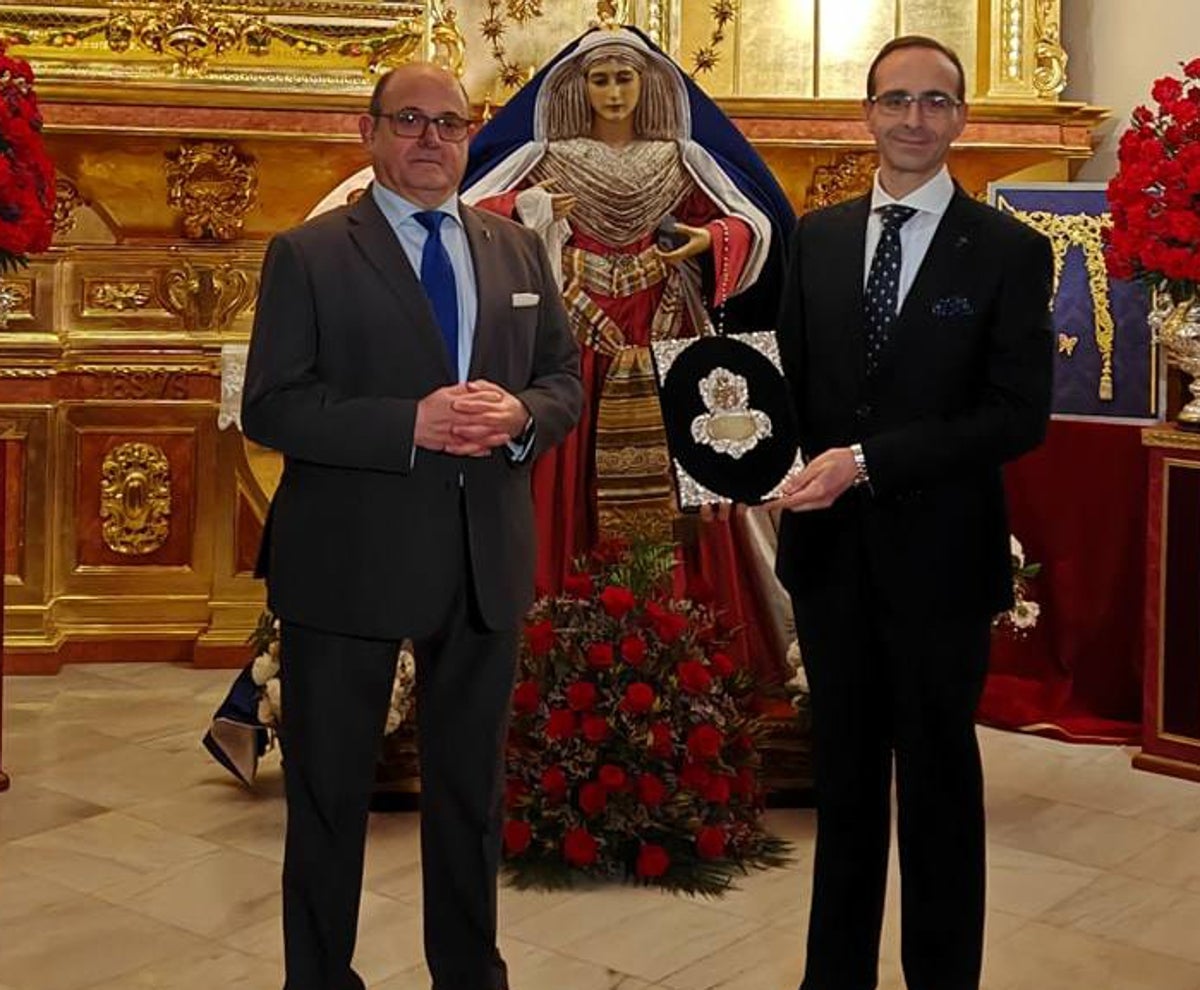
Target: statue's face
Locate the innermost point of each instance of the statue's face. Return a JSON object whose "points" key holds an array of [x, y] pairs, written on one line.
{"points": [[613, 89]]}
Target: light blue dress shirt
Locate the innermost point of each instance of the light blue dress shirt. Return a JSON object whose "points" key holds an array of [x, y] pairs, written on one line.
{"points": [[399, 213], [412, 236]]}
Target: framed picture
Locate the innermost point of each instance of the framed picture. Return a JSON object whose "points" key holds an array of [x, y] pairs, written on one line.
{"points": [[1106, 365]]}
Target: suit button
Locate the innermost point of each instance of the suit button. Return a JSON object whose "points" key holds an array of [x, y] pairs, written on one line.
{"points": [[863, 411]]}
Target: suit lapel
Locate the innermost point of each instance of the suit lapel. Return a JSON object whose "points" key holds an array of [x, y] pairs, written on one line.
{"points": [[375, 239], [940, 274], [847, 260], [491, 304]]}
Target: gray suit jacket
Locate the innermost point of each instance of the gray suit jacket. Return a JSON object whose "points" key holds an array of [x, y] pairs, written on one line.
{"points": [[364, 533]]}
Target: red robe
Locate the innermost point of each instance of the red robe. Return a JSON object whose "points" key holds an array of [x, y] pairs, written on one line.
{"points": [[564, 478]]}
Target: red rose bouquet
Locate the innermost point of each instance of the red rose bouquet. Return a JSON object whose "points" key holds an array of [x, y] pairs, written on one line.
{"points": [[633, 751], [26, 173], [1155, 194]]}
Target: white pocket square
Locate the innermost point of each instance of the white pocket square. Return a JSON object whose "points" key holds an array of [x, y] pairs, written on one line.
{"points": [[522, 299]]}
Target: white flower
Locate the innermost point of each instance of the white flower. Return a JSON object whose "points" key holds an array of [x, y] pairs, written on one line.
{"points": [[797, 687], [1017, 551], [1024, 614], [270, 709], [265, 666]]}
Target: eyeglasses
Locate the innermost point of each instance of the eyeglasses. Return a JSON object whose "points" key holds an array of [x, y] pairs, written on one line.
{"points": [[413, 124], [897, 102]]}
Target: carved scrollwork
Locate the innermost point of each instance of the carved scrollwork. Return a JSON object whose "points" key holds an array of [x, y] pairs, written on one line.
{"points": [[16, 298], [214, 186], [119, 296], [66, 201], [1050, 58], [135, 498], [849, 176], [206, 297], [193, 34]]}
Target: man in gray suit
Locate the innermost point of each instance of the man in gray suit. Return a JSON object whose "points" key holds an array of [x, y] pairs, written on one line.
{"points": [[410, 358]]}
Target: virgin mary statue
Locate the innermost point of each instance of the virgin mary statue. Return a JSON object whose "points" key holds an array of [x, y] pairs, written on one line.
{"points": [[663, 222]]}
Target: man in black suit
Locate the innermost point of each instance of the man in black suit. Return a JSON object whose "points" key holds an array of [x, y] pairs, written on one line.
{"points": [[410, 358], [915, 334]]}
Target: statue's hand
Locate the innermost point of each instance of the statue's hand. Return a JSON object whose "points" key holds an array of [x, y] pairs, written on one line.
{"points": [[561, 204], [698, 241]]}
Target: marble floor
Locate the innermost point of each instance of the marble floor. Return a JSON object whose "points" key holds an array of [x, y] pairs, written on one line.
{"points": [[130, 861]]}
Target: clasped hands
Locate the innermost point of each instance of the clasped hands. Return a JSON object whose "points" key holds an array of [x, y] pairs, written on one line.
{"points": [[470, 419]]}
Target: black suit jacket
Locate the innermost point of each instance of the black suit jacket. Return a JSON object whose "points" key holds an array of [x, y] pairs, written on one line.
{"points": [[364, 532], [963, 387]]}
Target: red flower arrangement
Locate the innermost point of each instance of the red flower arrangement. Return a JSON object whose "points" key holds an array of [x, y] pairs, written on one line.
{"points": [[1155, 194], [26, 173], [633, 752]]}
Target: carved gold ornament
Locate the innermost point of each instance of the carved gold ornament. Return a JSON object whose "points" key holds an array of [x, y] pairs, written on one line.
{"points": [[1012, 38], [66, 201], [206, 297], [16, 296], [194, 33], [730, 426], [850, 175], [119, 296], [214, 186], [1085, 231], [135, 498], [1050, 58]]}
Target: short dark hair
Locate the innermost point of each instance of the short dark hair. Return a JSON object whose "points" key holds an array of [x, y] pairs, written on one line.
{"points": [[917, 41], [375, 107]]}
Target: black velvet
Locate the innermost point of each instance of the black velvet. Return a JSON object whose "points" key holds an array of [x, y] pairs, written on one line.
{"points": [[748, 478]]}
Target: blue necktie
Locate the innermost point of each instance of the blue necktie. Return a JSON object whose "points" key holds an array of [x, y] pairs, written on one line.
{"points": [[882, 294], [437, 278]]}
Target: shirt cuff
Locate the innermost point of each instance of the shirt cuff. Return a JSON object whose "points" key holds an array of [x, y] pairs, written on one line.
{"points": [[520, 446]]}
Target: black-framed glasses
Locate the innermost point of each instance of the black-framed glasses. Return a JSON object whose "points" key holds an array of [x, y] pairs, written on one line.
{"points": [[896, 102], [413, 124]]}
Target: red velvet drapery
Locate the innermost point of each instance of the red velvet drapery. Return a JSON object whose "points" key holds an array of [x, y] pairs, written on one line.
{"points": [[1078, 505]]}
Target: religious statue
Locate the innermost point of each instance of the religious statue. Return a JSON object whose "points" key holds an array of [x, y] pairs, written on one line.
{"points": [[663, 222]]}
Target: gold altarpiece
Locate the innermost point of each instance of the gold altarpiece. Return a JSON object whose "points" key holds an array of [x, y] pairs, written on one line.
{"points": [[186, 132]]}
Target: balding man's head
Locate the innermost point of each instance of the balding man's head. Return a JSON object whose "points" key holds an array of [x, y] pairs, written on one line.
{"points": [[416, 130], [400, 73]]}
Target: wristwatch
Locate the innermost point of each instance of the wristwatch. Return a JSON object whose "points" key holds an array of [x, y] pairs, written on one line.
{"points": [[861, 475]]}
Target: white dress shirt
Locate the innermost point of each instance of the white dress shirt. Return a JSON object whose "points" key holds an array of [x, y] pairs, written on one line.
{"points": [[400, 215], [930, 201]]}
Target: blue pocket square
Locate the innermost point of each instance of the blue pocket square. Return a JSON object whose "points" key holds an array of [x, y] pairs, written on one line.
{"points": [[953, 306]]}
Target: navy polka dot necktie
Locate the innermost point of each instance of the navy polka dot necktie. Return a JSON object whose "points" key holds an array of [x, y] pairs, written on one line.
{"points": [[882, 295], [437, 278]]}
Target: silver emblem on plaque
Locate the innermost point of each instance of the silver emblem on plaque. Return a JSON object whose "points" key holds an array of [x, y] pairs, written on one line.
{"points": [[730, 426]]}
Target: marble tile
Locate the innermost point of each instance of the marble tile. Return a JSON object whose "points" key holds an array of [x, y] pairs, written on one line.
{"points": [[1135, 913], [222, 893], [1090, 838], [83, 941], [770, 958], [1040, 956], [28, 809], [30, 748], [207, 967], [1027, 884], [587, 913], [211, 804], [655, 943], [1174, 860], [125, 774], [123, 840], [106, 850]]}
